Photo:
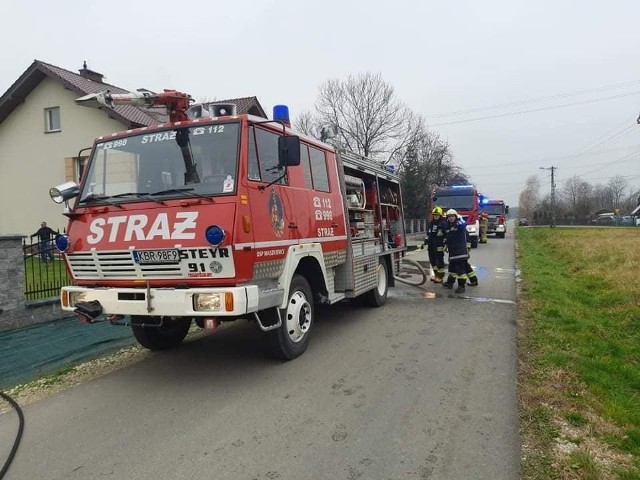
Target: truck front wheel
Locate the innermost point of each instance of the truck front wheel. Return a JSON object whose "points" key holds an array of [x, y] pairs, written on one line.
{"points": [[292, 338], [159, 333]]}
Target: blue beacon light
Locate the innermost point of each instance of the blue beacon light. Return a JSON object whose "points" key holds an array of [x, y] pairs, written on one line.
{"points": [[281, 114], [62, 243], [214, 235]]}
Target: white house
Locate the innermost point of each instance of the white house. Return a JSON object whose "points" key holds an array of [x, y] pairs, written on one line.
{"points": [[43, 133]]}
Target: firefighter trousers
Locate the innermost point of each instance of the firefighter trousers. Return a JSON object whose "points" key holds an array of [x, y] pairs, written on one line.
{"points": [[436, 259]]}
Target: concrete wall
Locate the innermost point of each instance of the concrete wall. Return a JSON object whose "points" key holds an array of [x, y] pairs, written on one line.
{"points": [[14, 312], [32, 161]]}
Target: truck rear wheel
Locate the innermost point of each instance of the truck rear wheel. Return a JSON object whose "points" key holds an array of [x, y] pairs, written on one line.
{"points": [[170, 332], [378, 296], [291, 339]]}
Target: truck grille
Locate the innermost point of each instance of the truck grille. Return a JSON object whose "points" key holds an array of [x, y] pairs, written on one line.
{"points": [[116, 265]]}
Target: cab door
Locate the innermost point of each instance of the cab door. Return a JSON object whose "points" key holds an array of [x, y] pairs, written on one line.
{"points": [[274, 209]]}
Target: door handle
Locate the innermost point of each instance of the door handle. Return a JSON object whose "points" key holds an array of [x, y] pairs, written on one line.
{"points": [[293, 225]]}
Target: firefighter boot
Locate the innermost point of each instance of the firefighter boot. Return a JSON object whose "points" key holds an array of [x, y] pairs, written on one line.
{"points": [[460, 288], [473, 281], [449, 283], [437, 278]]}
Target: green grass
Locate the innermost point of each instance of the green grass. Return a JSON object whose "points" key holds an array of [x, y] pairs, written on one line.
{"points": [[44, 279], [580, 343]]}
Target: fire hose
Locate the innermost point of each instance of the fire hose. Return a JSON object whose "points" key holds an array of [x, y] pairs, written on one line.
{"points": [[421, 272], [16, 442]]}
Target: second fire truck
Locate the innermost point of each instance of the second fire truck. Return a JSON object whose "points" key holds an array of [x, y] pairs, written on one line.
{"points": [[215, 216], [466, 201], [497, 211]]}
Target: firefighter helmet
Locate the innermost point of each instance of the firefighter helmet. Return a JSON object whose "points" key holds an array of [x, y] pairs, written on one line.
{"points": [[452, 213], [437, 211]]}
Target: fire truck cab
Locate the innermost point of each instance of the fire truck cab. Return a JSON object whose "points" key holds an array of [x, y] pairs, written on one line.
{"points": [[466, 201], [214, 216], [497, 212]]}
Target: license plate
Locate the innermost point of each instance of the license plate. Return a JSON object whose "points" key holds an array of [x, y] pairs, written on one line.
{"points": [[156, 256]]}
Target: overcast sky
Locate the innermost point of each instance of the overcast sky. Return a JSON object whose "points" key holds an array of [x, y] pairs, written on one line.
{"points": [[441, 57]]}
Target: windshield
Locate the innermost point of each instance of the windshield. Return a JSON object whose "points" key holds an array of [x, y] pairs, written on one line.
{"points": [[493, 209], [457, 202], [200, 160]]}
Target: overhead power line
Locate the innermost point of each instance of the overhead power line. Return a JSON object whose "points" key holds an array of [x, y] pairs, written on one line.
{"points": [[535, 100], [521, 112], [619, 160]]}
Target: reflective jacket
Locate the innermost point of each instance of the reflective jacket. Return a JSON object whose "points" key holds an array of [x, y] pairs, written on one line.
{"points": [[456, 239], [435, 233]]}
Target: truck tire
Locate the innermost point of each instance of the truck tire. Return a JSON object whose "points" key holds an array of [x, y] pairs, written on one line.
{"points": [[170, 334], [291, 339], [377, 297], [500, 235]]}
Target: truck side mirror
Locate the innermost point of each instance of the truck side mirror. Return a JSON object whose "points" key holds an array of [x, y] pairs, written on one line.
{"points": [[288, 151], [506, 209]]}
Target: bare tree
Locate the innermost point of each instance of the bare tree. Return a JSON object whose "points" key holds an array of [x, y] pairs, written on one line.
{"points": [[578, 197], [617, 185], [307, 123], [603, 197], [529, 197], [426, 163], [369, 117]]}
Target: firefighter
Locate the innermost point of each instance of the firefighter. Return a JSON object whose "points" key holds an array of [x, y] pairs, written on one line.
{"points": [[435, 244], [484, 226], [456, 242]]}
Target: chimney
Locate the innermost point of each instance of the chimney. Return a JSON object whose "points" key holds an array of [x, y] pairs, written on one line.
{"points": [[90, 74]]}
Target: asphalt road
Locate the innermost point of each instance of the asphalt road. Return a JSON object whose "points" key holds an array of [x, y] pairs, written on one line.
{"points": [[423, 388]]}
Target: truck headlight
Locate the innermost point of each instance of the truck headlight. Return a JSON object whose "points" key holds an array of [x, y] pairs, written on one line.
{"points": [[213, 302], [76, 297], [208, 302], [471, 229]]}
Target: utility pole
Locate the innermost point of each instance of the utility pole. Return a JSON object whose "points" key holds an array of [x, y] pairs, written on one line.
{"points": [[553, 194]]}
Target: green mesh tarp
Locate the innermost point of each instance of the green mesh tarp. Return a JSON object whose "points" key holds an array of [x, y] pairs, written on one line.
{"points": [[31, 352]]}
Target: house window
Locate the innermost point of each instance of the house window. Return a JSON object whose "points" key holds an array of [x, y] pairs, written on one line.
{"points": [[81, 163], [52, 119]]}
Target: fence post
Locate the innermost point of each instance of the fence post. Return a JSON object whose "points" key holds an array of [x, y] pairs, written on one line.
{"points": [[11, 281]]}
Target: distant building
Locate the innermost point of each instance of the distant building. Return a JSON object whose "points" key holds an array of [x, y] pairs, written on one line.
{"points": [[43, 132]]}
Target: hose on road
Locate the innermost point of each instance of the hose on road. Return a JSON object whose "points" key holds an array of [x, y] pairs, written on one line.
{"points": [[16, 442]]}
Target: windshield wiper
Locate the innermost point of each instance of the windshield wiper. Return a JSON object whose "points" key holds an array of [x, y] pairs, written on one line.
{"points": [[100, 198], [183, 192], [144, 196]]}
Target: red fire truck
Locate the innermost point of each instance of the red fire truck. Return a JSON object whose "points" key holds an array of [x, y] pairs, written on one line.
{"points": [[215, 216], [466, 201], [497, 211]]}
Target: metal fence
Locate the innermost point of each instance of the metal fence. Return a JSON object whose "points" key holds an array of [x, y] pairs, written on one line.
{"points": [[44, 270], [415, 225]]}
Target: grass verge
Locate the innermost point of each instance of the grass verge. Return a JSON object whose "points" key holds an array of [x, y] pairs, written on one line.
{"points": [[579, 347]]}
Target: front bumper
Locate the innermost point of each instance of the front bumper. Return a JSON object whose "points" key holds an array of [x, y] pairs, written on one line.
{"points": [[170, 302], [496, 228]]}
